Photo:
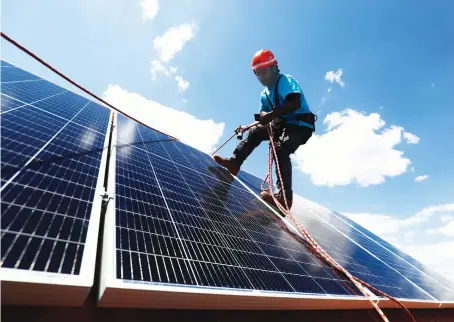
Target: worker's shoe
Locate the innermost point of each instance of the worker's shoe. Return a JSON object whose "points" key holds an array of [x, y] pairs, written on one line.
{"points": [[266, 196], [229, 164]]}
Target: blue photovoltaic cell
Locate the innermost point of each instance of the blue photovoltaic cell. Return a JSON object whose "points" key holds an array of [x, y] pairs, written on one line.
{"points": [[6, 64], [8, 103], [94, 117], [29, 92], [17, 75], [66, 105], [52, 165], [431, 282], [177, 225], [24, 131], [251, 181]]}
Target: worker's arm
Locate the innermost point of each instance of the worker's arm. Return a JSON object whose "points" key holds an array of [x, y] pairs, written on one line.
{"points": [[244, 128], [291, 104]]}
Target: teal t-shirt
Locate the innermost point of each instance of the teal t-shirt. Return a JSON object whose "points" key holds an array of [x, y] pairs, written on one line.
{"points": [[286, 85]]}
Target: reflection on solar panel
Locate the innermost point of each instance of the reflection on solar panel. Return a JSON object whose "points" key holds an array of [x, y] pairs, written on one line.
{"points": [[432, 282], [179, 230], [51, 182]]}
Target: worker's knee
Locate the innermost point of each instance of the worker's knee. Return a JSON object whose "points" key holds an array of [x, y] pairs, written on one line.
{"points": [[257, 133], [254, 130]]}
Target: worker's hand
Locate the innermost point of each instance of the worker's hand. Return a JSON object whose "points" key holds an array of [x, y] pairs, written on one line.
{"points": [[241, 129], [265, 118]]}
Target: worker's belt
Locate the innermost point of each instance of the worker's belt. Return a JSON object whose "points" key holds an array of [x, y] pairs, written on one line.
{"points": [[309, 118]]}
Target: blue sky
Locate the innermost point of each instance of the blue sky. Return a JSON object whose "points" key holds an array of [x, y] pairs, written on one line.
{"points": [[396, 60]]}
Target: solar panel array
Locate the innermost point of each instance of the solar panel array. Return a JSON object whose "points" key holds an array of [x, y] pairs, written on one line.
{"points": [[177, 218], [52, 142]]}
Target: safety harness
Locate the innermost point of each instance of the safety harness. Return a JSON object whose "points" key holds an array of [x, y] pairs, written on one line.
{"points": [[309, 118]]}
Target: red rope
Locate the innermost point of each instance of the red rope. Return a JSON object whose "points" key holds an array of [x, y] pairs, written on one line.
{"points": [[312, 244], [15, 43]]}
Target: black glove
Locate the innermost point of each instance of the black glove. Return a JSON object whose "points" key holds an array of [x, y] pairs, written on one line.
{"points": [[266, 118]]}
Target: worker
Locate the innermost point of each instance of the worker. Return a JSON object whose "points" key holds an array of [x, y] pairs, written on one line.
{"points": [[283, 106]]}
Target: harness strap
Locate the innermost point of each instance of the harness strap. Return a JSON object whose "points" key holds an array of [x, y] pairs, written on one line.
{"points": [[276, 95]]}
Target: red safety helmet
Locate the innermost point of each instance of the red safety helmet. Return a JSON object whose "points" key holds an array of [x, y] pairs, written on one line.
{"points": [[263, 58]]}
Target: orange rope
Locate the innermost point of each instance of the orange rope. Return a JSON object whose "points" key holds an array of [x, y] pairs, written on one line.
{"points": [[312, 243]]}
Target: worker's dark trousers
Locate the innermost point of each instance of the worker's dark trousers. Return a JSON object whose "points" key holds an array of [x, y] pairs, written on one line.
{"points": [[287, 142]]}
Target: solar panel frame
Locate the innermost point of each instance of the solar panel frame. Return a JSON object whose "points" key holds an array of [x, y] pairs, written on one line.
{"points": [[31, 287]]}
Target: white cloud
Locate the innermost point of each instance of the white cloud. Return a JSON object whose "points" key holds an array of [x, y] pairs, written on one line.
{"points": [[433, 249], [381, 107], [167, 46], [446, 230], [157, 66], [421, 178], [446, 218], [329, 90], [333, 76], [182, 83], [408, 236], [149, 8], [411, 138], [382, 224], [201, 134], [438, 256], [173, 41], [355, 148], [379, 224]]}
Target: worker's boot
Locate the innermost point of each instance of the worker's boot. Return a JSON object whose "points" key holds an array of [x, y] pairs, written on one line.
{"points": [[266, 196], [230, 164]]}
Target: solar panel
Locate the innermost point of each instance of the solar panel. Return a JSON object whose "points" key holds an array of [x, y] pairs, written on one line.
{"points": [[427, 279], [177, 225], [356, 259], [51, 183], [182, 221]]}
